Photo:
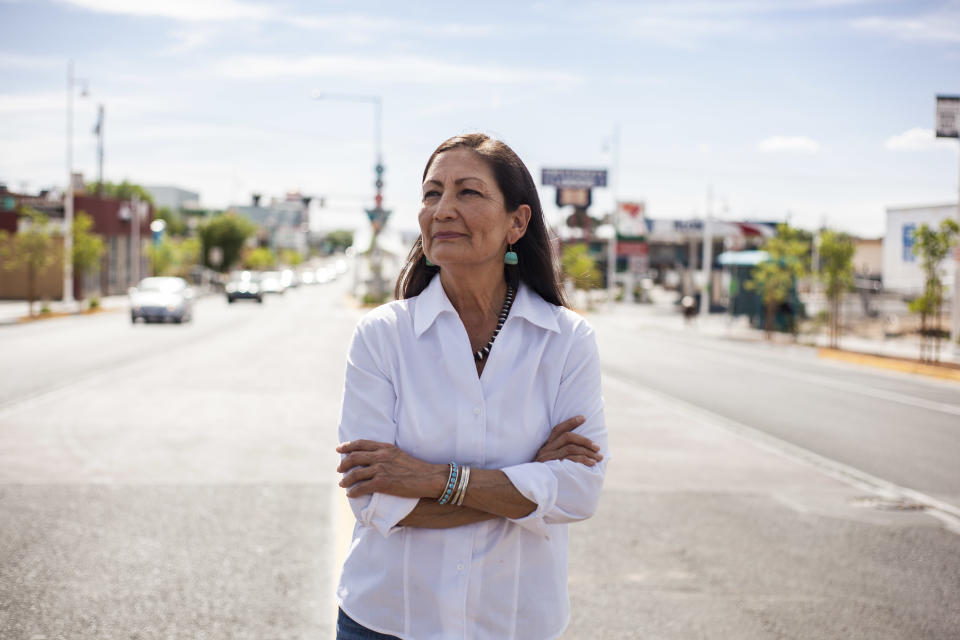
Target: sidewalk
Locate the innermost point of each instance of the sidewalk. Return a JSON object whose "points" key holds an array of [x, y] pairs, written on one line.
{"points": [[16, 311], [11, 311], [664, 315]]}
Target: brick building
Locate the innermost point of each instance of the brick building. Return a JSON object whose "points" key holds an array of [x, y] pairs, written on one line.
{"points": [[111, 221]]}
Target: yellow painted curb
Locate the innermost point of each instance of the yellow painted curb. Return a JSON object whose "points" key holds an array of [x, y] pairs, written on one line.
{"points": [[894, 364]]}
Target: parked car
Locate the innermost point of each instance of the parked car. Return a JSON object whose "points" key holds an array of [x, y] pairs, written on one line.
{"points": [[161, 299], [270, 282], [244, 285]]}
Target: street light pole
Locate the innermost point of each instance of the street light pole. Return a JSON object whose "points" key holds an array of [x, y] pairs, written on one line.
{"points": [[68, 198], [612, 246], [68, 298], [378, 215]]}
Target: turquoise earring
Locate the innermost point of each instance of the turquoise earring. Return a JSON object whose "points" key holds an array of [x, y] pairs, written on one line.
{"points": [[510, 257], [427, 260]]}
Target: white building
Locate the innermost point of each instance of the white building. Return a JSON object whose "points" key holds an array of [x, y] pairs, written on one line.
{"points": [[174, 198], [902, 271]]}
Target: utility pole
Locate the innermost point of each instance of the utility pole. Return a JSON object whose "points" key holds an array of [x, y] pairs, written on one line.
{"points": [[707, 255], [134, 254], [98, 131], [68, 298], [68, 198], [378, 215], [612, 246]]}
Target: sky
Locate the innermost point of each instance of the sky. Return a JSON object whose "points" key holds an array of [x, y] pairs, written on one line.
{"points": [[817, 112]]}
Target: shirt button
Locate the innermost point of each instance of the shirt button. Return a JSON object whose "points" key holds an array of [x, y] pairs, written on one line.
{"points": [[476, 411], [459, 567]]}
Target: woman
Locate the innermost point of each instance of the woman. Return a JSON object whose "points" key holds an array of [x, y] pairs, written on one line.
{"points": [[461, 484]]}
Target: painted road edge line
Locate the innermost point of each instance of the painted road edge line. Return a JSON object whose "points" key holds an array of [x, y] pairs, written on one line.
{"points": [[945, 512]]}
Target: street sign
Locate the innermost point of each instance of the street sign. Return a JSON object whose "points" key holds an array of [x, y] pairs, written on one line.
{"points": [[574, 178], [378, 217], [948, 116], [630, 219], [577, 197]]}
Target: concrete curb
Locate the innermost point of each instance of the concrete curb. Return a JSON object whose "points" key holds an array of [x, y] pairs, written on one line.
{"points": [[890, 363]]}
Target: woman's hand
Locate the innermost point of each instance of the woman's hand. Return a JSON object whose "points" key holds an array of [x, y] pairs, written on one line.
{"points": [[563, 444], [378, 467]]}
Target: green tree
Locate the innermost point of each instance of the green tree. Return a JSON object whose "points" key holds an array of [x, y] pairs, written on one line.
{"points": [[30, 248], [580, 267], [259, 259], [775, 279], [291, 257], [339, 240], [227, 233], [932, 246], [176, 225], [121, 191], [836, 272], [88, 247], [174, 256]]}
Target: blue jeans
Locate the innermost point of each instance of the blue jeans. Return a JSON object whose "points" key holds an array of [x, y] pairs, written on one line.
{"points": [[350, 629]]}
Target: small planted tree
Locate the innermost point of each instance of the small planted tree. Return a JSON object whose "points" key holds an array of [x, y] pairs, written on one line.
{"points": [[227, 232], [776, 278], [88, 247], [836, 272], [30, 248], [291, 257], [259, 259], [174, 256], [932, 246], [578, 266]]}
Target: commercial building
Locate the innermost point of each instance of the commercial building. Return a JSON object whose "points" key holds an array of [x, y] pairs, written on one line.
{"points": [[174, 198], [902, 270], [282, 224], [124, 261]]}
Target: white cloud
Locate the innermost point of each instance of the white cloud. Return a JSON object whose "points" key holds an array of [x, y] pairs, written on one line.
{"points": [[56, 101], [918, 139], [26, 61], [936, 27], [406, 69], [370, 26], [799, 144], [186, 10]]}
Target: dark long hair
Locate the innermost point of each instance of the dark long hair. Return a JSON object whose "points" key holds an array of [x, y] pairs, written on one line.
{"points": [[537, 266]]}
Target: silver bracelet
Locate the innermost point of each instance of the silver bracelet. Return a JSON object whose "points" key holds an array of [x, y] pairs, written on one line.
{"points": [[461, 492]]}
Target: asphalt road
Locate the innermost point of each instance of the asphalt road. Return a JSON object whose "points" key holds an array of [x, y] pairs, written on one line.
{"points": [[172, 481], [175, 481], [901, 428]]}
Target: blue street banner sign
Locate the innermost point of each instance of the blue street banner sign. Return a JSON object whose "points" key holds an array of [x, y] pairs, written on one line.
{"points": [[908, 242], [574, 178]]}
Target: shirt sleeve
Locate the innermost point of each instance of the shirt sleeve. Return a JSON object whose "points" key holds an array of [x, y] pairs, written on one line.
{"points": [[567, 491], [368, 412]]}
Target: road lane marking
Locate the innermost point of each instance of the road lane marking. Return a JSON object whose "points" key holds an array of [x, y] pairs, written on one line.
{"points": [[947, 513]]}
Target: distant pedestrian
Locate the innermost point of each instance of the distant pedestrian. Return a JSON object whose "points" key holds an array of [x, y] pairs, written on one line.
{"points": [[461, 485], [689, 305]]}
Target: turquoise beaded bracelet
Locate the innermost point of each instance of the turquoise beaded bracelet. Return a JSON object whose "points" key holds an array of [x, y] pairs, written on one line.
{"points": [[451, 483]]}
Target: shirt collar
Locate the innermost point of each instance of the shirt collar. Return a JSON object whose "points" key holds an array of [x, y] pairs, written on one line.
{"points": [[528, 305]]}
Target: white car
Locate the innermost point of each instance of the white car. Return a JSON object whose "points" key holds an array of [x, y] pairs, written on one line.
{"points": [[271, 282], [161, 299]]}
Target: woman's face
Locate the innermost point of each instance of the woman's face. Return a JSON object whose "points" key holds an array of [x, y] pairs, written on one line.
{"points": [[463, 219]]}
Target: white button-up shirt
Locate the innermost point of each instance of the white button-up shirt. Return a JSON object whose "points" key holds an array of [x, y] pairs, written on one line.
{"points": [[411, 380]]}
